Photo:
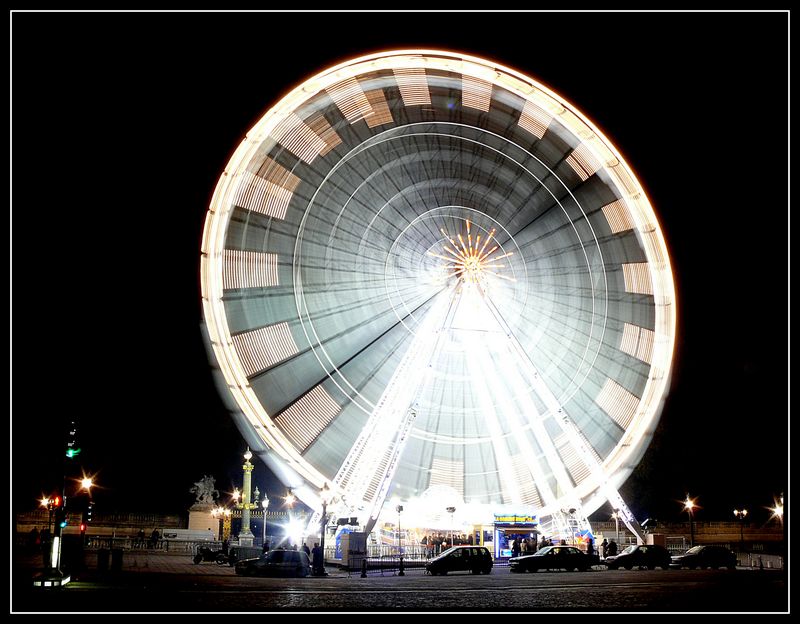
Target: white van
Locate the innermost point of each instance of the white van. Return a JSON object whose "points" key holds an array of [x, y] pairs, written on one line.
{"points": [[188, 535]]}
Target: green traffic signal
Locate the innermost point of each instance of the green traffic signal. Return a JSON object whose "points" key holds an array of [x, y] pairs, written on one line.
{"points": [[72, 452]]}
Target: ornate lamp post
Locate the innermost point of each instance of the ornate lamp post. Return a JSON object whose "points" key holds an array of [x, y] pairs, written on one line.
{"points": [[226, 524], [86, 484], [740, 515], [689, 506], [264, 505], [400, 541], [47, 503], [325, 497], [245, 534], [451, 511]]}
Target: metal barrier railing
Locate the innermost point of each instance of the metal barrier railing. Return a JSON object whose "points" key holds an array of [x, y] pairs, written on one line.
{"points": [[136, 544], [757, 561], [389, 564]]}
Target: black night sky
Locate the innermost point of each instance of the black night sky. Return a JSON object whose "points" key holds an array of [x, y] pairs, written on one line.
{"points": [[121, 124]]}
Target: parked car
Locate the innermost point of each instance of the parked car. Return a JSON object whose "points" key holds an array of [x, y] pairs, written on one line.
{"points": [[640, 556], [553, 558], [276, 563], [705, 557], [476, 559]]}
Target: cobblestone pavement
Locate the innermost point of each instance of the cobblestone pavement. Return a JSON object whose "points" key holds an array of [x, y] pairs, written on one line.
{"points": [[150, 582]]}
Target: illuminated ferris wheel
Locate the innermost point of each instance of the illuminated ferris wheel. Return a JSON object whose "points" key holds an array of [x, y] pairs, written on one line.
{"points": [[426, 276]]}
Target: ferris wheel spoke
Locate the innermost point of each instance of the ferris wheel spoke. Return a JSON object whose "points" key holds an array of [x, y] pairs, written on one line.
{"points": [[363, 474]]}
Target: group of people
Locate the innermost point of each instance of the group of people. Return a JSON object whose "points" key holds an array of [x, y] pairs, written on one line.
{"points": [[153, 542], [608, 549], [439, 542], [525, 546]]}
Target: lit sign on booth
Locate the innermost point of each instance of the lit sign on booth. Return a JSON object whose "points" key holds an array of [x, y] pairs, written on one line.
{"points": [[513, 519]]}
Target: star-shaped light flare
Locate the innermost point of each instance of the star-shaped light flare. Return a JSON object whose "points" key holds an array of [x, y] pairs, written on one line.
{"points": [[469, 260]]}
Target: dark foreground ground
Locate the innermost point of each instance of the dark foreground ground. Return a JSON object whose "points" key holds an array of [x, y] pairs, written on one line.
{"points": [[171, 583]]}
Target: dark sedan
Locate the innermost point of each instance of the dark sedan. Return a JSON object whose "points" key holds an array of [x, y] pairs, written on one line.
{"points": [[640, 556], [276, 563], [554, 558], [475, 559], [713, 557]]}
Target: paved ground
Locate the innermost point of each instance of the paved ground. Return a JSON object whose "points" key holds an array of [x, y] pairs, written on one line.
{"points": [[151, 582]]}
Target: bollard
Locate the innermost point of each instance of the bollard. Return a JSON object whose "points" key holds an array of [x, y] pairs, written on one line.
{"points": [[364, 568], [401, 573]]}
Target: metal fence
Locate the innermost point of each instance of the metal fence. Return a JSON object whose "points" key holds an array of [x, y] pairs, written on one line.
{"points": [[135, 544], [757, 561]]}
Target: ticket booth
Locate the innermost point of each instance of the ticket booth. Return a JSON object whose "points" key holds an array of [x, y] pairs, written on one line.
{"points": [[509, 527]]}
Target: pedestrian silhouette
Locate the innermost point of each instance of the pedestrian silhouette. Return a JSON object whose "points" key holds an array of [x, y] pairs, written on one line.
{"points": [[317, 560]]}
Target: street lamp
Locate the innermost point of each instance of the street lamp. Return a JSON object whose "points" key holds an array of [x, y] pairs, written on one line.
{"points": [[319, 563], [400, 541], [86, 484], [615, 515], [47, 503], [451, 511], [264, 505], [777, 510], [740, 515], [689, 506]]}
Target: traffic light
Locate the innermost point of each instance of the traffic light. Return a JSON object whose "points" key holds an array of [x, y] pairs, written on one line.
{"points": [[89, 511], [58, 507]]}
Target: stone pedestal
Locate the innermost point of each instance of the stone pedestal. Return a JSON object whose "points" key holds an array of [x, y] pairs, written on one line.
{"points": [[201, 519]]}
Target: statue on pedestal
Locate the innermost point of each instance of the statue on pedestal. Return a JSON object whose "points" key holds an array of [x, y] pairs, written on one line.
{"points": [[205, 493], [201, 513]]}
